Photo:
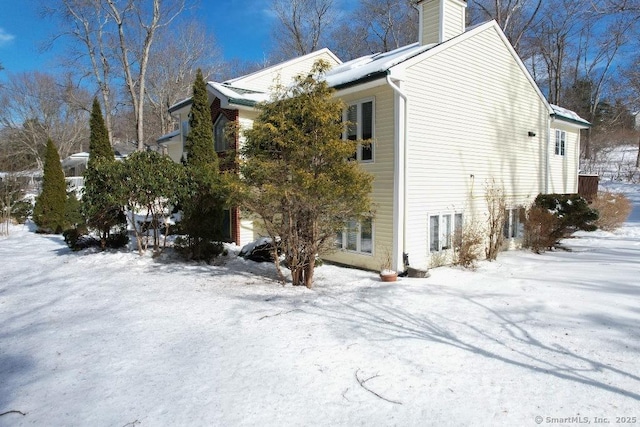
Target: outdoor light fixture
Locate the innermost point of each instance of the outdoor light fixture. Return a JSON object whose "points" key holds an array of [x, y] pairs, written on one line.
{"points": [[532, 134]]}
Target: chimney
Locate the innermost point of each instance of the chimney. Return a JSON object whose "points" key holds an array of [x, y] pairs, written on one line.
{"points": [[441, 20]]}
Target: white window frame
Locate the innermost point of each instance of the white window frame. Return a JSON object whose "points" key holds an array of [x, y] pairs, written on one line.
{"points": [[342, 239], [445, 234], [513, 227], [560, 142], [226, 143], [358, 123]]}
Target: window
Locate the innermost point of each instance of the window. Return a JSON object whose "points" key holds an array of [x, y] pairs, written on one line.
{"points": [[446, 229], [221, 137], [356, 237], [184, 129], [226, 224], [434, 233], [513, 227], [361, 125], [441, 230], [561, 138]]}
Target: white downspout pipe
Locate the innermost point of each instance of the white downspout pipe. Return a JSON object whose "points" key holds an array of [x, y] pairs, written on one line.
{"points": [[400, 178]]}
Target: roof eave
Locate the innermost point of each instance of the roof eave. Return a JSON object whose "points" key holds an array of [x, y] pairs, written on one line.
{"points": [[179, 105], [583, 124], [365, 79]]}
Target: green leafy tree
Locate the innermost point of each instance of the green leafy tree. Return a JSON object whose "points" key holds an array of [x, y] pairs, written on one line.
{"points": [[151, 184], [102, 188], [296, 176], [49, 211], [205, 196]]}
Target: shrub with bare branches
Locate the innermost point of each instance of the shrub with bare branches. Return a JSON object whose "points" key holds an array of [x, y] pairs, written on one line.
{"points": [[614, 209], [538, 229], [496, 205], [467, 244]]}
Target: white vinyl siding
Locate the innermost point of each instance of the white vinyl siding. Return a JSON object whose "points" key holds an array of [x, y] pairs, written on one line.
{"points": [[563, 167], [264, 80], [467, 131], [382, 193]]}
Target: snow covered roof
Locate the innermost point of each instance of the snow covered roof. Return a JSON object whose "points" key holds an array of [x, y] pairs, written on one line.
{"points": [[372, 65], [76, 159], [376, 65], [236, 95], [568, 115]]}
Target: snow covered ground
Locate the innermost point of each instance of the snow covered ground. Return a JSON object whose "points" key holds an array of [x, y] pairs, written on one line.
{"points": [[114, 339]]}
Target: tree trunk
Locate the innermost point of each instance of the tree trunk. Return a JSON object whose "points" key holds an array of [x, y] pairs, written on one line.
{"points": [[308, 271]]}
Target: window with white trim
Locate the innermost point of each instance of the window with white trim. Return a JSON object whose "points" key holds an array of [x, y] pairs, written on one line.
{"points": [[360, 116], [561, 138], [357, 236], [441, 230], [513, 226], [221, 137]]}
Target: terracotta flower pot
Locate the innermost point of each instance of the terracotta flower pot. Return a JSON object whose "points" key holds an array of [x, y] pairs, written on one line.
{"points": [[389, 276]]}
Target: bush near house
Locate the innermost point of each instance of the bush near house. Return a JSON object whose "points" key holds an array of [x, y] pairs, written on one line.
{"points": [[556, 216], [613, 208], [538, 229], [467, 245]]}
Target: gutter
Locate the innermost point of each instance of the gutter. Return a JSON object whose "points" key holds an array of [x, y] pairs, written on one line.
{"points": [[400, 177], [583, 124], [368, 78]]}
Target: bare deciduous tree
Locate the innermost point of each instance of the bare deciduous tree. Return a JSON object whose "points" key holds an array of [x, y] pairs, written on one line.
{"points": [[515, 17], [35, 107], [116, 36], [376, 26], [137, 23], [172, 69], [87, 23], [301, 26]]}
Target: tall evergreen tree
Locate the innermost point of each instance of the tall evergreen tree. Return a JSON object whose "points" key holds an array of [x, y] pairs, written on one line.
{"points": [[99, 146], [296, 175], [101, 187], [49, 211], [204, 199]]}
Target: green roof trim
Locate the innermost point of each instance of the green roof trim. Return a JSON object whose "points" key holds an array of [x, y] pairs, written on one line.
{"points": [[365, 79], [570, 120]]}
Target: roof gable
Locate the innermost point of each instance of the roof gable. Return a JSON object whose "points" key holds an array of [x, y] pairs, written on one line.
{"points": [[263, 80]]}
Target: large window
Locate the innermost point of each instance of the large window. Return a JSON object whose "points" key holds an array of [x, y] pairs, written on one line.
{"points": [[442, 229], [221, 137], [357, 236], [361, 125], [561, 138]]}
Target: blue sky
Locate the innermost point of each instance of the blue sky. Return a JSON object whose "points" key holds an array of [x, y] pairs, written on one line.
{"points": [[242, 29]]}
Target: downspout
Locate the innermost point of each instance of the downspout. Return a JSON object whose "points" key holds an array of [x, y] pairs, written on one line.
{"points": [[546, 154], [400, 177]]}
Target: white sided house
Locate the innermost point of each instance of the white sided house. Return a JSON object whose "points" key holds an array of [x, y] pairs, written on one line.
{"points": [[449, 117]]}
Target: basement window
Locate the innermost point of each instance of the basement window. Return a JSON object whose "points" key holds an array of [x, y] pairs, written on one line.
{"points": [[357, 236]]}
